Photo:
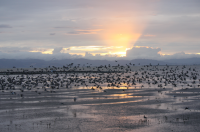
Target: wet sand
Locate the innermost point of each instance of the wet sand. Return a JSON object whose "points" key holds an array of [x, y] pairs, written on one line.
{"points": [[89, 104]]}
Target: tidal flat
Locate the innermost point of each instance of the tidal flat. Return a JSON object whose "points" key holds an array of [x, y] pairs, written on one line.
{"points": [[132, 98]]}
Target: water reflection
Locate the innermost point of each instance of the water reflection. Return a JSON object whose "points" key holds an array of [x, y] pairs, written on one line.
{"points": [[82, 102], [125, 102]]}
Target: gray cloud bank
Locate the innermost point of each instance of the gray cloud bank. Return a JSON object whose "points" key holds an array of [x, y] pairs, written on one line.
{"points": [[134, 53], [155, 54]]}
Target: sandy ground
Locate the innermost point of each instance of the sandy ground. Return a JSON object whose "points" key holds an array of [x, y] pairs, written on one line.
{"points": [[105, 109]]}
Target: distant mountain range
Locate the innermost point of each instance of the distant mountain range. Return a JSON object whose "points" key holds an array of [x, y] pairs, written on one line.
{"points": [[26, 63]]}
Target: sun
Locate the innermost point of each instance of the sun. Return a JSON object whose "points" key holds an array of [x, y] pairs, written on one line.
{"points": [[122, 35], [121, 42]]}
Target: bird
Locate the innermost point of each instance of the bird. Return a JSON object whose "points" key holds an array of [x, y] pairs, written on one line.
{"points": [[186, 108], [74, 99]]}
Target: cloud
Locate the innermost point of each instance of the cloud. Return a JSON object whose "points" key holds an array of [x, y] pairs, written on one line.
{"points": [[15, 49], [64, 27], [79, 32], [143, 53], [93, 49], [88, 55], [180, 55], [5, 32], [37, 55], [155, 54], [134, 53], [171, 21], [57, 50], [100, 57], [61, 27], [52, 33], [5, 26]]}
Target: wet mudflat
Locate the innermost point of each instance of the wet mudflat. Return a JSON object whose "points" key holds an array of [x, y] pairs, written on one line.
{"points": [[153, 98]]}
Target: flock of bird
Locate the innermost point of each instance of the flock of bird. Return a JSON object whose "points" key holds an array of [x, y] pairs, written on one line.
{"points": [[99, 79], [104, 78]]}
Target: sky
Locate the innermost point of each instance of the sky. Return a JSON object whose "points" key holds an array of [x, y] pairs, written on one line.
{"points": [[104, 29]]}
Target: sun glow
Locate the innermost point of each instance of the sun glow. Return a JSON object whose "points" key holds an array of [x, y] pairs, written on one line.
{"points": [[121, 54], [43, 51], [47, 52], [123, 34]]}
